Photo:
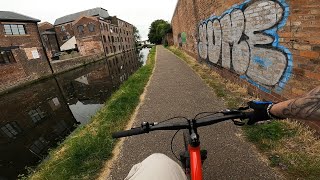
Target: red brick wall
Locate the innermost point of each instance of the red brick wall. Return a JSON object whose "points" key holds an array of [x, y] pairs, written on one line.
{"points": [[266, 66], [49, 41], [88, 42], [64, 32], [26, 66]]}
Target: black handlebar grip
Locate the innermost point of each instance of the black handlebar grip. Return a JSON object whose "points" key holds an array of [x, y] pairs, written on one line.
{"points": [[129, 132], [248, 114]]}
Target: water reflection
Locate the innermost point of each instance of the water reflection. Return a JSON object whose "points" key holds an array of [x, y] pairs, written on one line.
{"points": [[35, 118]]}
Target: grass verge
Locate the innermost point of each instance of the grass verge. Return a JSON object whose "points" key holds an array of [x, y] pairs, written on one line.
{"points": [[290, 146], [84, 152]]}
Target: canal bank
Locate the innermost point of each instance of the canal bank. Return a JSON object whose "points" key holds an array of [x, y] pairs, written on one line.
{"points": [[58, 67], [36, 117], [84, 152]]}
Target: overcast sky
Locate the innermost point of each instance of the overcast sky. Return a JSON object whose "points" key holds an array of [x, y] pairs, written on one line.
{"points": [[137, 12]]}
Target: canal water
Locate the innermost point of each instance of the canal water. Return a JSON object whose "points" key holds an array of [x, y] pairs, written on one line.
{"points": [[37, 117]]}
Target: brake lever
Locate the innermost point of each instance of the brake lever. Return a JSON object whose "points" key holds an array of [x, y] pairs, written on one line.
{"points": [[237, 122]]}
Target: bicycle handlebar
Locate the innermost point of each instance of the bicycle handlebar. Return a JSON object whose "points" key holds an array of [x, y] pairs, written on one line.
{"points": [[130, 132], [147, 127]]}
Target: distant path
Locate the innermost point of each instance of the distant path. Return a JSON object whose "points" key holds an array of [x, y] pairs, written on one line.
{"points": [[176, 90]]}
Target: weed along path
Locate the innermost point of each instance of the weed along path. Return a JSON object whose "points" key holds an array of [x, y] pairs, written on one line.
{"points": [[175, 90]]}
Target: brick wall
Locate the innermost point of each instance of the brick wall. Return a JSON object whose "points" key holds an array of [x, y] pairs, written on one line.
{"points": [[270, 46], [68, 64], [49, 38], [110, 38], [88, 42], [30, 61], [64, 32]]}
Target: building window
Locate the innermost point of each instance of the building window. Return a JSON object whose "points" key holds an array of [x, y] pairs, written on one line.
{"points": [[63, 28], [60, 127], [107, 51], [64, 38], [12, 129], [118, 39], [104, 38], [80, 29], [14, 29], [38, 146], [111, 49], [91, 27], [114, 48], [36, 115], [6, 57], [112, 38]]}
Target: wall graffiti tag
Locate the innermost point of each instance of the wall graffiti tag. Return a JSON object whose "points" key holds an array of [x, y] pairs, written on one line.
{"points": [[244, 39]]}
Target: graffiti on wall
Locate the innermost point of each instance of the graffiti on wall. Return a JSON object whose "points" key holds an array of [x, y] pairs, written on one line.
{"points": [[244, 39], [182, 38]]}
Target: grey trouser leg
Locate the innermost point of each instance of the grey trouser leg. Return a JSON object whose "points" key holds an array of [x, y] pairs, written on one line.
{"points": [[155, 167]]}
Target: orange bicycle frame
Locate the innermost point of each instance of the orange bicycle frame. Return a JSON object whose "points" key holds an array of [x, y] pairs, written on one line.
{"points": [[195, 163]]}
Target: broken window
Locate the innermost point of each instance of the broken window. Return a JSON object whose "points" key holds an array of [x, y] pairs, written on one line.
{"points": [[36, 115], [6, 57], [64, 38], [80, 29], [14, 29], [63, 28], [38, 146], [91, 27], [11, 129]]}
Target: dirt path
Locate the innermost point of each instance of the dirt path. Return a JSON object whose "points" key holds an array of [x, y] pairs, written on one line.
{"points": [[175, 90]]}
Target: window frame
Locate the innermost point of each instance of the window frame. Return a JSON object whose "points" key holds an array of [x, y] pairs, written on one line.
{"points": [[9, 57], [91, 27], [20, 29], [11, 129], [80, 31]]}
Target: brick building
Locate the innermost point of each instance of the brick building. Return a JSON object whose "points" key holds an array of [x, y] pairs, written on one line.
{"points": [[22, 57], [95, 32], [43, 118], [49, 38], [270, 47]]}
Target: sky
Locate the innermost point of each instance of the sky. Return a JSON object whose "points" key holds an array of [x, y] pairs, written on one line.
{"points": [[140, 13]]}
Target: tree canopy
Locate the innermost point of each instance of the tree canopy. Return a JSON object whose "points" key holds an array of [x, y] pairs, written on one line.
{"points": [[136, 34], [157, 31]]}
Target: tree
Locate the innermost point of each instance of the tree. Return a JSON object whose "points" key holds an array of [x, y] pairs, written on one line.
{"points": [[136, 34], [157, 31]]}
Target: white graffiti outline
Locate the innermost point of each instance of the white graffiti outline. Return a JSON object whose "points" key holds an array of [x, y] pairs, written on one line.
{"points": [[242, 49]]}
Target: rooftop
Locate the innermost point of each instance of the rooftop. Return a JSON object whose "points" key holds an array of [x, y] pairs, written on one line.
{"points": [[12, 16], [90, 12]]}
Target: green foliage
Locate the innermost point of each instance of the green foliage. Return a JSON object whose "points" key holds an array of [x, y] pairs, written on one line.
{"points": [[136, 34], [84, 152], [157, 31], [268, 135]]}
